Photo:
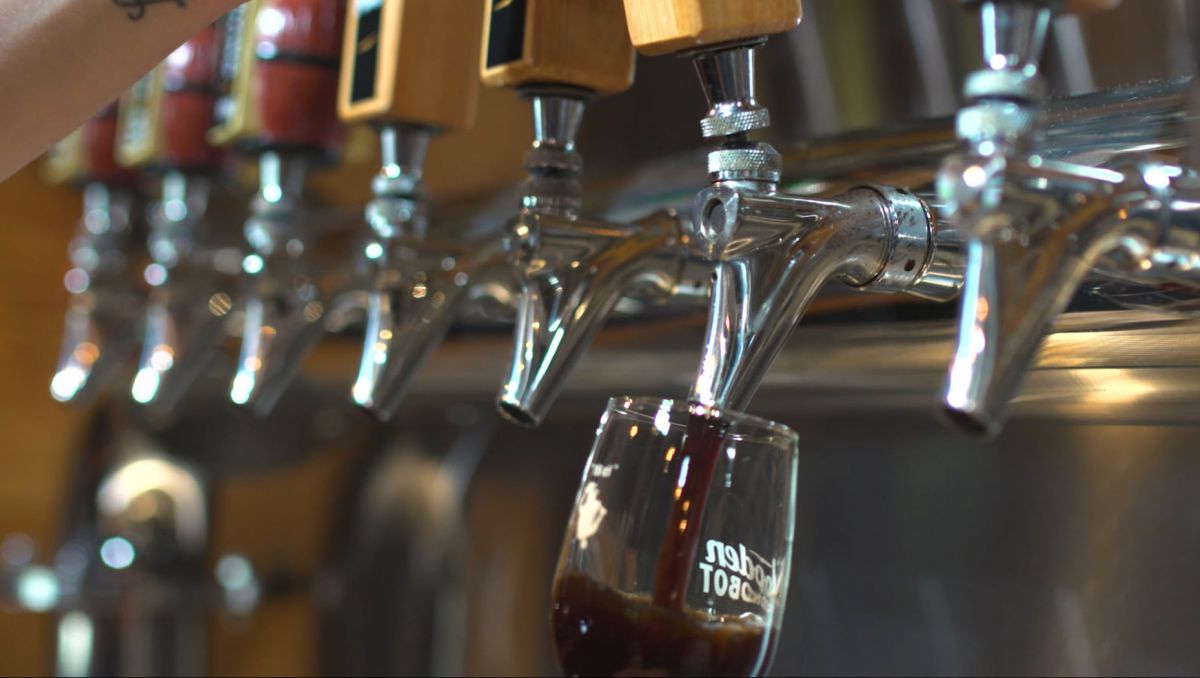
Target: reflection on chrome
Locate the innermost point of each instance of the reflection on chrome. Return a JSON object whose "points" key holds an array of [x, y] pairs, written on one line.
{"points": [[773, 251], [180, 337], [101, 317], [572, 271], [1036, 227], [287, 294], [419, 282]]}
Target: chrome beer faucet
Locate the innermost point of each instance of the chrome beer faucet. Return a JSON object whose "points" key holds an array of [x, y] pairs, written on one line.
{"points": [[419, 277], [572, 270], [162, 128], [193, 287], [1036, 226], [278, 105], [278, 289], [289, 296], [103, 312], [421, 281], [773, 251]]}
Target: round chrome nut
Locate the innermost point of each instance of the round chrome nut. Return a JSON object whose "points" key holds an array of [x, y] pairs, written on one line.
{"points": [[759, 162], [722, 123]]}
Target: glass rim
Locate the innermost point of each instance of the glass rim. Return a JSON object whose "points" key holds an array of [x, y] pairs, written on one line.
{"points": [[743, 424]]}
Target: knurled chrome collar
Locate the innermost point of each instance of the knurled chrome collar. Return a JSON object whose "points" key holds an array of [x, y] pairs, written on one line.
{"points": [[756, 162], [727, 121]]}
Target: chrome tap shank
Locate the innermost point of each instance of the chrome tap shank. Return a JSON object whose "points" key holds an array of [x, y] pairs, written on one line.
{"points": [[773, 252], [419, 283], [1052, 225], [1036, 227], [288, 296], [102, 317], [180, 335], [571, 271]]}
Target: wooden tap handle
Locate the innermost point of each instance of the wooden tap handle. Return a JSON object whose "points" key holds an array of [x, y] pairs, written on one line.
{"points": [[411, 61], [279, 76], [666, 26], [164, 119], [578, 43]]}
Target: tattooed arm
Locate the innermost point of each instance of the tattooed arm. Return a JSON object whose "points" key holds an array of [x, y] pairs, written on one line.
{"points": [[63, 60]]}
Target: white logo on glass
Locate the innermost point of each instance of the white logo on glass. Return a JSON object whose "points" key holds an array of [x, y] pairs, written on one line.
{"points": [[591, 513], [738, 573]]}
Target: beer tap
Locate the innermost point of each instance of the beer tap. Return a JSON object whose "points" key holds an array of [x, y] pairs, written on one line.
{"points": [[1035, 226], [104, 306], [773, 251], [409, 68], [277, 104], [572, 270], [162, 128]]}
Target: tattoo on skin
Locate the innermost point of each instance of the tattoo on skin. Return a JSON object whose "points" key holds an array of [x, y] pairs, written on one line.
{"points": [[136, 9]]}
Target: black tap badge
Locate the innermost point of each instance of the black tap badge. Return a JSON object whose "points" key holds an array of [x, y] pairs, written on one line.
{"points": [[366, 51], [506, 34]]}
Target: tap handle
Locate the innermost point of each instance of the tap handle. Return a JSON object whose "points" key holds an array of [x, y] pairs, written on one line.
{"points": [[88, 154], [278, 80], [164, 118], [412, 62], [574, 43], [666, 26]]}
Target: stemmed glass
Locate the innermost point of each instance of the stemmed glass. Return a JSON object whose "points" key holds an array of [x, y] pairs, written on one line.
{"points": [[677, 553]]}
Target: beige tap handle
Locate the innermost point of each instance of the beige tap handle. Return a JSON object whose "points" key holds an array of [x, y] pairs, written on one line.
{"points": [[581, 43], [139, 141], [666, 26], [411, 61], [65, 162]]}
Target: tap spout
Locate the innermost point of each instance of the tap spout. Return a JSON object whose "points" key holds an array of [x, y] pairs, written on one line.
{"points": [[285, 303], [572, 272], [418, 282], [414, 302], [1035, 232], [774, 252]]}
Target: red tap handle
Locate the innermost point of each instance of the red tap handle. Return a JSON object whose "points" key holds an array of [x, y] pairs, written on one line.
{"points": [[189, 82]]}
